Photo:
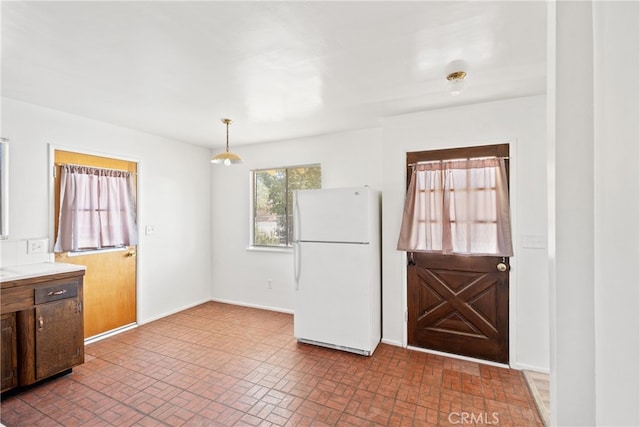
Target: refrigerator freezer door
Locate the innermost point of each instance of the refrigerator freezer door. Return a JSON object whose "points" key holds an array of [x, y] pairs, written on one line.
{"points": [[332, 298], [332, 215]]}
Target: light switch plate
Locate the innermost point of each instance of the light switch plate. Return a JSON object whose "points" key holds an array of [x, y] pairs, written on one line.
{"points": [[534, 241]]}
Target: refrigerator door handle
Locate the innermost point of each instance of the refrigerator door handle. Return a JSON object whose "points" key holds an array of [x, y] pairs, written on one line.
{"points": [[296, 220], [296, 264]]}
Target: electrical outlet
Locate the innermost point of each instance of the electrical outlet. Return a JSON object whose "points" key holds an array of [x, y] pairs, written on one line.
{"points": [[269, 284], [37, 246], [149, 229]]}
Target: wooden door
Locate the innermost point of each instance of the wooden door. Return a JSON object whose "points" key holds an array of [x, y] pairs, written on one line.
{"points": [[110, 279], [458, 304]]}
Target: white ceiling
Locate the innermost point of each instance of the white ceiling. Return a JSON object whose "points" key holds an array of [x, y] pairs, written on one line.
{"points": [[280, 70]]}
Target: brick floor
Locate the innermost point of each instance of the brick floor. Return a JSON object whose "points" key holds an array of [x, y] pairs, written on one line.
{"points": [[224, 365]]}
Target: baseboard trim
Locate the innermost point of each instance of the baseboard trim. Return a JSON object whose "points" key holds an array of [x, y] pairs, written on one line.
{"points": [[391, 342], [526, 367], [258, 306]]}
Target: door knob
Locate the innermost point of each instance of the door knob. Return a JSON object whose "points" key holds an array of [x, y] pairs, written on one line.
{"points": [[132, 253], [502, 266]]}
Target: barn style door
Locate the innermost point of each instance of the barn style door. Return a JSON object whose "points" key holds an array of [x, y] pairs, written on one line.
{"points": [[458, 303]]}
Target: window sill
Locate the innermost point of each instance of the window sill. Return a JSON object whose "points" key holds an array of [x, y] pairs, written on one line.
{"points": [[272, 249], [96, 251]]}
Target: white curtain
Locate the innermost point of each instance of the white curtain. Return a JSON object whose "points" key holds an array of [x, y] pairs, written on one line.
{"points": [[458, 207], [97, 209]]}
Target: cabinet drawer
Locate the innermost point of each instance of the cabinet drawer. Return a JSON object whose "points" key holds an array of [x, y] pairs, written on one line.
{"points": [[53, 293]]}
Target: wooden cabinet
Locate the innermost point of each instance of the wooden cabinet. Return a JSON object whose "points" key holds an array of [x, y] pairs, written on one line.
{"points": [[58, 341], [42, 327], [9, 356]]}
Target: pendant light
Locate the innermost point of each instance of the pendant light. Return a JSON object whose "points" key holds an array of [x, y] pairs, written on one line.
{"points": [[227, 158]]}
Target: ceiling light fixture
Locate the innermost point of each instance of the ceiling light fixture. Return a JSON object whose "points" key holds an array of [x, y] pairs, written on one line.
{"points": [[456, 82], [227, 157]]}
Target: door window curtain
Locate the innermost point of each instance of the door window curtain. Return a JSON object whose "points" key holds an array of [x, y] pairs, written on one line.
{"points": [[457, 207], [97, 209]]}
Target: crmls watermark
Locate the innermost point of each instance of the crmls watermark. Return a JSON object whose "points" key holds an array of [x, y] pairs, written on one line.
{"points": [[487, 418]]}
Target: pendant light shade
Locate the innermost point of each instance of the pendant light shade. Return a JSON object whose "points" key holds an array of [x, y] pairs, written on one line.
{"points": [[227, 157]]}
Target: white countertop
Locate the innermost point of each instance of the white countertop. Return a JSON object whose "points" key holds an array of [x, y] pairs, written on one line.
{"points": [[28, 271]]}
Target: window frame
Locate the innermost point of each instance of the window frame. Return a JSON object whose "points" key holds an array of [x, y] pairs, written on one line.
{"points": [[252, 211]]}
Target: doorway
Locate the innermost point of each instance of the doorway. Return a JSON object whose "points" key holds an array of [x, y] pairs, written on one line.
{"points": [[459, 304], [110, 278]]}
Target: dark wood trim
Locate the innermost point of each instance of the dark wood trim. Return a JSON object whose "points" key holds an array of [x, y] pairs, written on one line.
{"points": [[498, 150]]}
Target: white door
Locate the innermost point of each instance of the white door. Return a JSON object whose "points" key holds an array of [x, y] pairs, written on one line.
{"points": [[332, 296], [332, 215]]}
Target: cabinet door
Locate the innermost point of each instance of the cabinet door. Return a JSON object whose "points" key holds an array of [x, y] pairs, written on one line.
{"points": [[59, 337], [9, 357]]}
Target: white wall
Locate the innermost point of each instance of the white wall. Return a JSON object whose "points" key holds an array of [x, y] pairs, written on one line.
{"points": [[596, 191], [377, 158], [573, 345], [595, 187], [173, 195], [241, 275], [520, 122], [617, 214]]}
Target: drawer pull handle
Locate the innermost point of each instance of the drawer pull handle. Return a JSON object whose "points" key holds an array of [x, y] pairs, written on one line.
{"points": [[63, 291], [40, 323]]}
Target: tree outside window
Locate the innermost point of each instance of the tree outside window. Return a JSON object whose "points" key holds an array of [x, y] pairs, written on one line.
{"points": [[273, 202]]}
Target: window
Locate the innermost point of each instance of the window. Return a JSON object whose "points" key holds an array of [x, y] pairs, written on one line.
{"points": [[97, 209], [273, 202], [458, 207]]}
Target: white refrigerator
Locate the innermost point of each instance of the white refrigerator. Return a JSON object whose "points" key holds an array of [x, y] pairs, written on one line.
{"points": [[337, 268]]}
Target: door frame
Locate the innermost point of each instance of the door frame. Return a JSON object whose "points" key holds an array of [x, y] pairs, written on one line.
{"points": [[52, 238], [513, 194]]}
